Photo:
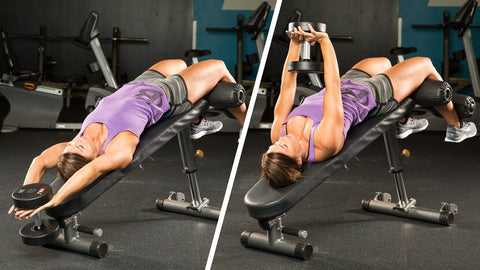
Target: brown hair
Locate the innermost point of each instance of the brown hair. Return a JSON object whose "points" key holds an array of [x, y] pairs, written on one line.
{"points": [[279, 169], [70, 163]]}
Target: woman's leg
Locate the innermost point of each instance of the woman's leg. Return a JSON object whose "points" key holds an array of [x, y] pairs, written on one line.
{"points": [[373, 66], [169, 67], [202, 77], [408, 75]]}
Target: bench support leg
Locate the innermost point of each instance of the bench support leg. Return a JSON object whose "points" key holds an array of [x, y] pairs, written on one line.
{"points": [[274, 240], [405, 207], [69, 239], [175, 202]]}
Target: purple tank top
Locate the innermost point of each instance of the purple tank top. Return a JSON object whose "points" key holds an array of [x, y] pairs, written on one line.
{"points": [[133, 107], [357, 102]]}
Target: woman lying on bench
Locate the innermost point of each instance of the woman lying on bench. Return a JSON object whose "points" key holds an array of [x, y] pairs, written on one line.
{"points": [[109, 135], [316, 130]]}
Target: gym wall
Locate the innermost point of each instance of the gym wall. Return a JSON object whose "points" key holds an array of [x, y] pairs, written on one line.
{"points": [[167, 25], [429, 42], [209, 13], [372, 24]]}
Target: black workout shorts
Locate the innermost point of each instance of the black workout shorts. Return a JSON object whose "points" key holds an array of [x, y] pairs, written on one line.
{"points": [[379, 85], [174, 87]]}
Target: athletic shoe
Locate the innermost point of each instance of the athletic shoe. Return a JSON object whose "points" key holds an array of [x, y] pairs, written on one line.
{"points": [[204, 127], [456, 135], [412, 125]]}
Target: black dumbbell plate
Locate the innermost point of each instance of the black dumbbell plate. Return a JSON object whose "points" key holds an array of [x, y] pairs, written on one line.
{"points": [[32, 195], [34, 236]]}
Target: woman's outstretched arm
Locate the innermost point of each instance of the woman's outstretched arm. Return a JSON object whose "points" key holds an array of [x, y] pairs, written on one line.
{"points": [[288, 87], [328, 137]]}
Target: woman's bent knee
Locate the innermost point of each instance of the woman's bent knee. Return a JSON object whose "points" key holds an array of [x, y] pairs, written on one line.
{"points": [[374, 65], [384, 62], [423, 60], [216, 63]]}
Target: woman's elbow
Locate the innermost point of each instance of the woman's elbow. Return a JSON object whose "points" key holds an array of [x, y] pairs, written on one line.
{"points": [[39, 161], [127, 159]]}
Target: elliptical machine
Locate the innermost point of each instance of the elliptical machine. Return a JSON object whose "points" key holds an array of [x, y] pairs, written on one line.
{"points": [[88, 38], [38, 105]]}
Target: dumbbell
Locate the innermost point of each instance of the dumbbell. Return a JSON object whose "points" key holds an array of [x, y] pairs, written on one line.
{"points": [[41, 231], [306, 65]]}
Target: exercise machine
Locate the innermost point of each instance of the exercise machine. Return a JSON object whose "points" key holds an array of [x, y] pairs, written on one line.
{"points": [[116, 40], [38, 105], [460, 22], [253, 26], [62, 229]]}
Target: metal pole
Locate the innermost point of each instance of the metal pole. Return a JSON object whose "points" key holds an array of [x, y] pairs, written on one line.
{"points": [[239, 71], [116, 35], [472, 62], [446, 46], [281, 246], [189, 165], [395, 163], [418, 213], [102, 61]]}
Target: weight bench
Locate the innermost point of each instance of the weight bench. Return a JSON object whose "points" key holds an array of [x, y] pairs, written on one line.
{"points": [[268, 205], [224, 95]]}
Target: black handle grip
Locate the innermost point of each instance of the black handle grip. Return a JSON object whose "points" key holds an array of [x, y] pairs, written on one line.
{"points": [[89, 230], [294, 232]]}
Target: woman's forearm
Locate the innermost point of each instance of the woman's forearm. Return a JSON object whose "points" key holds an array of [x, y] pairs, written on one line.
{"points": [[286, 97], [289, 84], [290, 78], [92, 171], [333, 106], [81, 179]]}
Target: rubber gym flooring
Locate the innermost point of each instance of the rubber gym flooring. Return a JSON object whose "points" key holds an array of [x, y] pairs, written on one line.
{"points": [[139, 236], [346, 237]]}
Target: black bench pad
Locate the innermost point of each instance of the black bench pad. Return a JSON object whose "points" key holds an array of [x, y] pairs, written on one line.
{"points": [[265, 203]]}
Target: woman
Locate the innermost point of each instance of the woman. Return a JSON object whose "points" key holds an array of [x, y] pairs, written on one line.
{"points": [[109, 135], [316, 130]]}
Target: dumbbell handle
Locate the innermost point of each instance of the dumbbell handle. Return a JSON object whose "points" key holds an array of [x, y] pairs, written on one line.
{"points": [[38, 221], [306, 51]]}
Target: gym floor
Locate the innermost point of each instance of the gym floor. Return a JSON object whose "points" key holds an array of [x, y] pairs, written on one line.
{"points": [[139, 236], [346, 237]]}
